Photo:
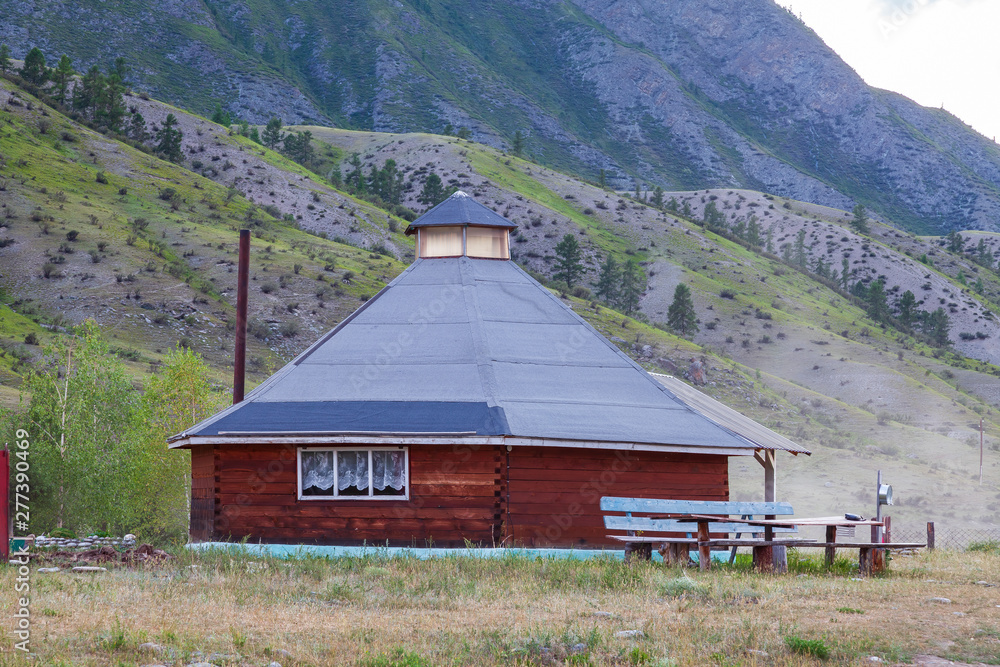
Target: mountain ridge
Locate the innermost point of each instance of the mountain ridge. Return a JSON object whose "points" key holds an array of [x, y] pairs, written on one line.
{"points": [[723, 93]]}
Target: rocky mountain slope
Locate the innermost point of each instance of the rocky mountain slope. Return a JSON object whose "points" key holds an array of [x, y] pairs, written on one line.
{"points": [[152, 260], [687, 94]]}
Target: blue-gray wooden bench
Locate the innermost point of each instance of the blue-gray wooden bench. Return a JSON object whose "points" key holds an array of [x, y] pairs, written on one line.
{"points": [[659, 522], [636, 518]]}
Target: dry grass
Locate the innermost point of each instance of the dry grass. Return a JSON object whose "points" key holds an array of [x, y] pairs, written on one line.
{"points": [[379, 611]]}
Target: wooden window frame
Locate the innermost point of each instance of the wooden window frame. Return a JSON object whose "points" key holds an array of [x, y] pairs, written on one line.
{"points": [[371, 488]]}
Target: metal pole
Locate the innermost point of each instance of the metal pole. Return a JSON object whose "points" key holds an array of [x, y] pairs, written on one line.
{"points": [[242, 285], [877, 530]]}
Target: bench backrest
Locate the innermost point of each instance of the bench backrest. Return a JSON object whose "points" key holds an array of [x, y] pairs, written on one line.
{"points": [[665, 506]]}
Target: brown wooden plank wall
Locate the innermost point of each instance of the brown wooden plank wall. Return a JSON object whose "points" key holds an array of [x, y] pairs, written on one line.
{"points": [[454, 497], [202, 492], [555, 492]]}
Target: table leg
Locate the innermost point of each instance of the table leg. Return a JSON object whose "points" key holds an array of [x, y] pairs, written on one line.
{"points": [[763, 557], [865, 560], [831, 552], [704, 553]]}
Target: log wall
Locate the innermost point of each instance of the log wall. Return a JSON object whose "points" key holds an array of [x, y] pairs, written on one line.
{"points": [[530, 496], [202, 492], [454, 497], [555, 492]]}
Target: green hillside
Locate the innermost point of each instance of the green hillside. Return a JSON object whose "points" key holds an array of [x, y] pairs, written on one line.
{"points": [[152, 261]]}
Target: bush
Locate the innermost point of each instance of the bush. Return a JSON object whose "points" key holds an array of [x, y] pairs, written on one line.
{"points": [[268, 287], [289, 329], [101, 178], [727, 294], [72, 235], [989, 547], [814, 647], [48, 269], [31, 339]]}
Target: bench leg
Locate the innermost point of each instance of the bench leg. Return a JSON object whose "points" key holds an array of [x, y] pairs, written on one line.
{"points": [[704, 552], [674, 554], [638, 550], [871, 561], [763, 559], [831, 552]]}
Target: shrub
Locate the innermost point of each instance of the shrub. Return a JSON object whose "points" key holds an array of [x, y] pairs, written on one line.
{"points": [[814, 647], [989, 546], [31, 339], [727, 294], [101, 178], [72, 235], [48, 269], [123, 191], [268, 287], [289, 329]]}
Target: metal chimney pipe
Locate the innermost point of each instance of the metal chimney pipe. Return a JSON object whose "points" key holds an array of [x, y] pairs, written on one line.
{"points": [[242, 285]]}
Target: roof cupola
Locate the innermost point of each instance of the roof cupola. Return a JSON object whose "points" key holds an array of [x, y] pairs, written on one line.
{"points": [[459, 226]]}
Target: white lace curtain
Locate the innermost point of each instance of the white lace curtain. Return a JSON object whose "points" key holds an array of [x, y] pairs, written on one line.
{"points": [[388, 469]]}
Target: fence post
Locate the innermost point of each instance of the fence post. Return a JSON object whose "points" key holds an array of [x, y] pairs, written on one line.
{"points": [[930, 536], [887, 534]]}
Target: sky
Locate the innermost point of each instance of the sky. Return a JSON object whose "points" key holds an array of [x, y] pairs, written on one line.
{"points": [[936, 52]]}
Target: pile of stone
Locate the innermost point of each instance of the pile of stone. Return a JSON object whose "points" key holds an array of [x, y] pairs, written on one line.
{"points": [[84, 543]]}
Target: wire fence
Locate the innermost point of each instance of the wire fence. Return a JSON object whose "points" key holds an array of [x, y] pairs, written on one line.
{"points": [[948, 538]]}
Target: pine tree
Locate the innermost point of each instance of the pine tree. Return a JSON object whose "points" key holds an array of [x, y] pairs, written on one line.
{"points": [[137, 128], [657, 198], [608, 282], [464, 133], [860, 220], [4, 58], [602, 179], [876, 302], [936, 326], [355, 178], [633, 284], [85, 94], [34, 70], [272, 133], [221, 117], [61, 76], [681, 316], [517, 147], [753, 233], [800, 248], [568, 256], [846, 273], [433, 192], [956, 243], [110, 102], [907, 308], [983, 255], [169, 138]]}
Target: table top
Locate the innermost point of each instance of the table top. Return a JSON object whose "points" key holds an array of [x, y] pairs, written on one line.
{"points": [[782, 523]]}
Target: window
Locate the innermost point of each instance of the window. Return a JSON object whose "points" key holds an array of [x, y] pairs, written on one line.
{"points": [[353, 473], [440, 241], [488, 242]]}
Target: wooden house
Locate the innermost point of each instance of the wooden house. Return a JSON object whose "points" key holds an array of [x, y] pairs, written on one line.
{"points": [[463, 403]]}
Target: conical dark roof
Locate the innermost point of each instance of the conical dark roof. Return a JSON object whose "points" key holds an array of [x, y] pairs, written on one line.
{"points": [[460, 209], [470, 346]]}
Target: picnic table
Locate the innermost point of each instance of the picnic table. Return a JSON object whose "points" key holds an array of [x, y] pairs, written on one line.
{"points": [[763, 550]]}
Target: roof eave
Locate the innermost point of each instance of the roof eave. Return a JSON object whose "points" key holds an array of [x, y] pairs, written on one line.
{"points": [[370, 438]]}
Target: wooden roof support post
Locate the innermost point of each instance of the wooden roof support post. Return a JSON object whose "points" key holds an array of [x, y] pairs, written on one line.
{"points": [[766, 458]]}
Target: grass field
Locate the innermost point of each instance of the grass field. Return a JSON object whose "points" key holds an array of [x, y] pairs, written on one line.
{"points": [[461, 611]]}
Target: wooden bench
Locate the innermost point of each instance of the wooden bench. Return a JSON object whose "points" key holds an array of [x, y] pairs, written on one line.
{"points": [[665, 533]]}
